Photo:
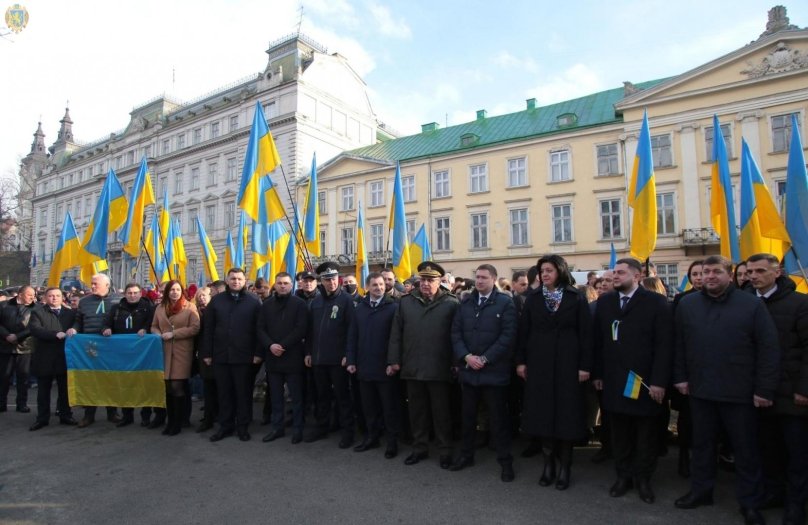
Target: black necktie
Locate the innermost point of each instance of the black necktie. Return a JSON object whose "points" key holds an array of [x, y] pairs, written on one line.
{"points": [[56, 311], [624, 301], [482, 301]]}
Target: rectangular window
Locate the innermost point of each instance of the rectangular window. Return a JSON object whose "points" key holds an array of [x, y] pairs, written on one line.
{"points": [[321, 202], [210, 218], [58, 215], [229, 214], [347, 240], [780, 194], [213, 174], [233, 123], [562, 223], [517, 175], [666, 214], [442, 234], [147, 151], [197, 135], [376, 237], [78, 208], [118, 162], [610, 219], [214, 130], [271, 109], [178, 182], [43, 217], [347, 198], [478, 178], [726, 131], [518, 226], [410, 229], [668, 273], [781, 131], [193, 227], [559, 166], [166, 147], [194, 179], [479, 230], [322, 242], [661, 151], [232, 170], [193, 272], [376, 193], [162, 186], [181, 141], [176, 217], [130, 158], [441, 181], [408, 188], [607, 160], [88, 206]]}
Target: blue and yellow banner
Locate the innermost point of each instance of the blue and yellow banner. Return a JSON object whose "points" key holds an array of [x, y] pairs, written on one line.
{"points": [[118, 371], [633, 383]]}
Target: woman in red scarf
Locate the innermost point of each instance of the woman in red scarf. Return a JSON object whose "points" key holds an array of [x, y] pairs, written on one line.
{"points": [[176, 321]]}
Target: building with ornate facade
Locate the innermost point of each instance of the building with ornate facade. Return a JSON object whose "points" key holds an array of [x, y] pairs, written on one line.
{"points": [[552, 179], [314, 102]]}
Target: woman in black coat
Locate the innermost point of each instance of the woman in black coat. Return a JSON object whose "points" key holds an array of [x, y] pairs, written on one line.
{"points": [[554, 357]]}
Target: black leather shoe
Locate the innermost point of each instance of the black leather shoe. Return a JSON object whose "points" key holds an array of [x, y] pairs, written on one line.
{"points": [[316, 435], [532, 450], [157, 423], [85, 422], [507, 473], [645, 491], [345, 441], [366, 444], [145, 422], [297, 437], [620, 487], [461, 462], [415, 457], [692, 500], [272, 436], [37, 425], [600, 456], [243, 435], [752, 517], [125, 422], [68, 421], [445, 462], [391, 451], [548, 474], [114, 418], [23, 409], [204, 427], [563, 480], [220, 435]]}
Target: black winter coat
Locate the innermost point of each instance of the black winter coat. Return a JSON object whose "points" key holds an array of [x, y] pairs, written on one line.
{"points": [[49, 352], [229, 328], [283, 320], [488, 330], [726, 347], [644, 345], [555, 346], [368, 337], [789, 311], [126, 318], [14, 319], [329, 319], [92, 312]]}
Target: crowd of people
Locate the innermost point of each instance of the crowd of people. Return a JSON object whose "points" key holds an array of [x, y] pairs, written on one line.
{"points": [[488, 357]]}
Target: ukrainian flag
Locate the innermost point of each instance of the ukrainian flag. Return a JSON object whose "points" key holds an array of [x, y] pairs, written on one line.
{"points": [[118, 371], [109, 215], [685, 284], [159, 270], [260, 159], [311, 221], [141, 196], [796, 208], [278, 241], [642, 197], [362, 269], [612, 257], [722, 208], [398, 225], [229, 250], [633, 383], [208, 253], [67, 251], [420, 250], [241, 241]]}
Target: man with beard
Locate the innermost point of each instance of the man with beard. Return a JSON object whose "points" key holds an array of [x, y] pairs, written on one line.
{"points": [[390, 284]]}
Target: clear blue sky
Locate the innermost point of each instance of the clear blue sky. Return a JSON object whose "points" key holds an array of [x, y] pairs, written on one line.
{"points": [[423, 61]]}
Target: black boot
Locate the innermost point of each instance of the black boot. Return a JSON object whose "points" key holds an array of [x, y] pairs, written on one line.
{"points": [[170, 415], [159, 417], [684, 462], [548, 475], [175, 423], [564, 460]]}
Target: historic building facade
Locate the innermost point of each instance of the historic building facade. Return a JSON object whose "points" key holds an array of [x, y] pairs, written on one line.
{"points": [[552, 179], [314, 102]]}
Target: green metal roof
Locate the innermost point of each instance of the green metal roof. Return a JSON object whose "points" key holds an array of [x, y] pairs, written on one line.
{"points": [[592, 110]]}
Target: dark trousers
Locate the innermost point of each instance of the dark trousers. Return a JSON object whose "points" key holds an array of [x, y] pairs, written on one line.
{"points": [[129, 413], [294, 382], [235, 395], [605, 433], [89, 412], [425, 398], [635, 444], [19, 365], [784, 451], [382, 409], [356, 399], [496, 400], [740, 421], [211, 400], [43, 398], [326, 378]]}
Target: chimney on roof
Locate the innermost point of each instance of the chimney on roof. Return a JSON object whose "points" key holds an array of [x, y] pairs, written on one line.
{"points": [[432, 126], [531, 104], [481, 114]]}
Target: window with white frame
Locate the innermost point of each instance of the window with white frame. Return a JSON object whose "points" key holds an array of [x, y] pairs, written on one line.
{"points": [[166, 147], [479, 230], [441, 184], [478, 178], [88, 206], [210, 217], [78, 207], [232, 170], [668, 273], [518, 220], [559, 166], [517, 173], [194, 179], [347, 193], [322, 242], [177, 217], [321, 203], [562, 222], [661, 151], [408, 188], [214, 130], [726, 132], [213, 173], [610, 219], [780, 194], [666, 213], [193, 227], [58, 215], [781, 131], [376, 193], [443, 234], [178, 176], [607, 160], [271, 109], [233, 123], [147, 151], [410, 229], [376, 237], [130, 158], [229, 214], [347, 240], [181, 141], [162, 185], [197, 137]]}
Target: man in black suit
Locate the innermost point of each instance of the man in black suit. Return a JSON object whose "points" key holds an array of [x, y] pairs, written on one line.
{"points": [[633, 332]]}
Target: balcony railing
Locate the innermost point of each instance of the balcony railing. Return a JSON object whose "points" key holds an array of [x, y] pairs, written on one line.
{"points": [[348, 259], [699, 236]]}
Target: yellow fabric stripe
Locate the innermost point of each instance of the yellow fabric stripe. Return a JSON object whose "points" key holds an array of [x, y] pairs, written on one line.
{"points": [[118, 389]]}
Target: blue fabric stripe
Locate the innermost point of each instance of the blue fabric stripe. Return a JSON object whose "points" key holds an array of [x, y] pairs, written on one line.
{"points": [[117, 353]]}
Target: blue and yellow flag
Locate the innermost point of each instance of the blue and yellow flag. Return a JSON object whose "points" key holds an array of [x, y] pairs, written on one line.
{"points": [[398, 226], [229, 251], [109, 215], [260, 159], [141, 196], [797, 209], [118, 371], [722, 207], [179, 261], [362, 268], [420, 250], [239, 256], [311, 223], [67, 251], [612, 257], [208, 253], [278, 240], [685, 284], [762, 230], [633, 384], [154, 248], [642, 197]]}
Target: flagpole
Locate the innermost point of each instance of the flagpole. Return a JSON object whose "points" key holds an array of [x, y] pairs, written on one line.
{"points": [[151, 263], [299, 228], [387, 247], [163, 243], [799, 263]]}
